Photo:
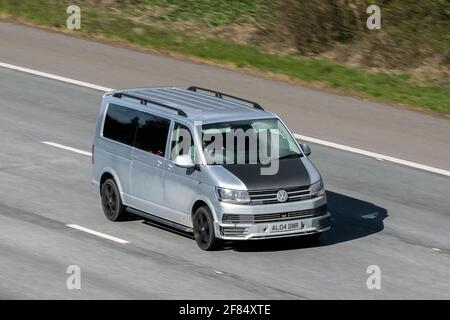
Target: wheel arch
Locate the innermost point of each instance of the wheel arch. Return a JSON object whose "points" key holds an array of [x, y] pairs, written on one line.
{"points": [[109, 173], [200, 202]]}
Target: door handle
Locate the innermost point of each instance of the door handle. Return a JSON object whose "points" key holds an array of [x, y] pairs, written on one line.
{"points": [[159, 162], [170, 166]]}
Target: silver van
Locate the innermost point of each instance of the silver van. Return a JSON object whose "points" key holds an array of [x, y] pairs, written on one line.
{"points": [[188, 158]]}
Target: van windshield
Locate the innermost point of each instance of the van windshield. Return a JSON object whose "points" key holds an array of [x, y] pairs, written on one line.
{"points": [[247, 142]]}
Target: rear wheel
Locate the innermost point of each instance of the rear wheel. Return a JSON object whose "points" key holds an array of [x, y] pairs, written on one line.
{"points": [[113, 207], [203, 224]]}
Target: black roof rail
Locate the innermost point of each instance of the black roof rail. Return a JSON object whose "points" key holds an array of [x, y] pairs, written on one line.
{"points": [[144, 101], [221, 95]]}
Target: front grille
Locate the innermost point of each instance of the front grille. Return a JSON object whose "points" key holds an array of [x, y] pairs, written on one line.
{"points": [[273, 217], [270, 195]]}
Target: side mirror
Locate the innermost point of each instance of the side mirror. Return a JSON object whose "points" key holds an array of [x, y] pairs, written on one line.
{"points": [[184, 161], [305, 148]]}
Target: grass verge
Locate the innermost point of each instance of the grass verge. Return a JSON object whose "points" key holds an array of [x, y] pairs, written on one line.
{"points": [[397, 88]]}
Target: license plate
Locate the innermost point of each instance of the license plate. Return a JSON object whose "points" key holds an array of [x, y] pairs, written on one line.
{"points": [[286, 226]]}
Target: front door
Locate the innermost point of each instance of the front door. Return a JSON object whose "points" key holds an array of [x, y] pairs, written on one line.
{"points": [[181, 183]]}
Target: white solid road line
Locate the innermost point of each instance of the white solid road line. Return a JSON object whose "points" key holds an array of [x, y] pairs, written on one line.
{"points": [[96, 233], [54, 77], [57, 145], [377, 156]]}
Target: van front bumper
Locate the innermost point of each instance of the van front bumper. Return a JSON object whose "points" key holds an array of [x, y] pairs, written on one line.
{"points": [[265, 230], [284, 227]]}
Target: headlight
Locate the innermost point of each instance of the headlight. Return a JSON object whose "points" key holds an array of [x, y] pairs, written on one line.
{"points": [[317, 189], [232, 196]]}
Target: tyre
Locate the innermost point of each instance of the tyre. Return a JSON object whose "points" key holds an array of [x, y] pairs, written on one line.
{"points": [[203, 224], [113, 207]]}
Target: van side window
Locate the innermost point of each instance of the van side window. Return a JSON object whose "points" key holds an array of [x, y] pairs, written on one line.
{"points": [[120, 124], [182, 142], [152, 133]]}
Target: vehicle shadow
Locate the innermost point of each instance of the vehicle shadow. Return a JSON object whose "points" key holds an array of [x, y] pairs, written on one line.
{"points": [[352, 219], [148, 222], [167, 228]]}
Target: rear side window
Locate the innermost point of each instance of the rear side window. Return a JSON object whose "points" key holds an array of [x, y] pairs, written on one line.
{"points": [[120, 124], [152, 133]]}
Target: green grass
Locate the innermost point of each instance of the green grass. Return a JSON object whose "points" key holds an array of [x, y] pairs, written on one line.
{"points": [[211, 12], [101, 22]]}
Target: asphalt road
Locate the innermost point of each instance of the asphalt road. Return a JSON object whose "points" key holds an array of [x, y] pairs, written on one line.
{"points": [[361, 124], [388, 215]]}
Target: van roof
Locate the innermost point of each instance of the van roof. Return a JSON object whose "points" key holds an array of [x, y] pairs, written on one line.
{"points": [[194, 103]]}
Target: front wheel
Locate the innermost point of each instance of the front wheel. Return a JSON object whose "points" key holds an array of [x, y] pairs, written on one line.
{"points": [[203, 224]]}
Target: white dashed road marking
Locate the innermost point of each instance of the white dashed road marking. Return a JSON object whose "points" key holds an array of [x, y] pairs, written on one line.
{"points": [[374, 155], [54, 77], [96, 233], [57, 145], [377, 156]]}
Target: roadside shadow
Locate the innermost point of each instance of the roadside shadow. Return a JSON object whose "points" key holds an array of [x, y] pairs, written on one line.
{"points": [[352, 219]]}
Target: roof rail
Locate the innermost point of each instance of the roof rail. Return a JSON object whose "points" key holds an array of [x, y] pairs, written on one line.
{"points": [[144, 101], [221, 95]]}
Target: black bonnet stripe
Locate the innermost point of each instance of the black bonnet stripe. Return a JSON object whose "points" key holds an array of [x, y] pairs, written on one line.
{"points": [[291, 173]]}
